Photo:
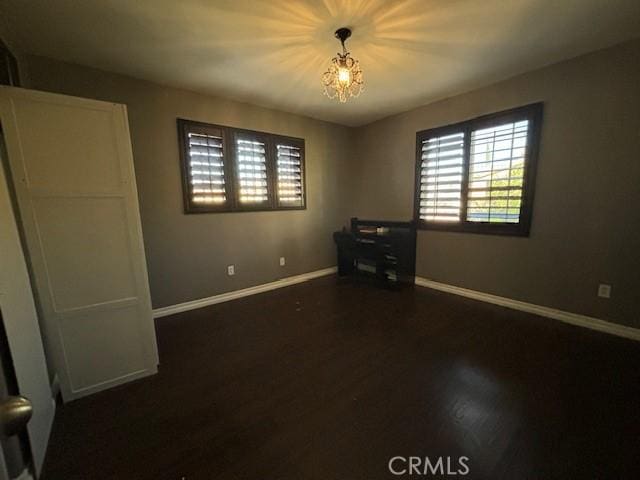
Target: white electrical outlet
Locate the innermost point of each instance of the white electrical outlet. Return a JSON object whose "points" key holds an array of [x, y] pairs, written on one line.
{"points": [[604, 290], [282, 262], [231, 270]]}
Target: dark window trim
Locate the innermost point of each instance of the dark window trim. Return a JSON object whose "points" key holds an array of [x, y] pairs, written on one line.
{"points": [[532, 112], [229, 135]]}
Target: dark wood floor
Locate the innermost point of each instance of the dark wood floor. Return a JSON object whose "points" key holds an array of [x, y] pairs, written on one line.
{"points": [[328, 380]]}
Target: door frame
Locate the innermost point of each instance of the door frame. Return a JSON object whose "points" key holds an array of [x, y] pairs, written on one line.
{"points": [[21, 324]]}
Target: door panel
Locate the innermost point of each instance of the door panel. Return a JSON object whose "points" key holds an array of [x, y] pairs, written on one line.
{"points": [[77, 275], [85, 163], [73, 173], [109, 357]]}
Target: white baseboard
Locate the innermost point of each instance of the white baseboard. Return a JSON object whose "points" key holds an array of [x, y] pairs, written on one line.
{"points": [[567, 317], [245, 292]]}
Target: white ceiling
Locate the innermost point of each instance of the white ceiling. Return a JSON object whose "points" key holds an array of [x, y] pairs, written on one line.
{"points": [[273, 52]]}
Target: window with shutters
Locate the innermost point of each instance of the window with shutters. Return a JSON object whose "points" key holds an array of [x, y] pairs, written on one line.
{"points": [[290, 172], [203, 167], [227, 169], [479, 175], [251, 171], [441, 177]]}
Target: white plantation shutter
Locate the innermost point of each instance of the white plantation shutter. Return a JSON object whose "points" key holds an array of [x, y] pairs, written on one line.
{"points": [[289, 171], [206, 168], [251, 164], [496, 173], [441, 178]]}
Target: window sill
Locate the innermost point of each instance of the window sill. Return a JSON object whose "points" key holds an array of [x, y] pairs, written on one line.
{"points": [[513, 230]]}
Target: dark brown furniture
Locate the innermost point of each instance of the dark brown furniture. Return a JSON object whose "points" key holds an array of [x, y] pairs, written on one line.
{"points": [[384, 249]]}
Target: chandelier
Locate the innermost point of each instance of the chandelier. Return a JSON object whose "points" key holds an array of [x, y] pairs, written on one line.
{"points": [[344, 77]]}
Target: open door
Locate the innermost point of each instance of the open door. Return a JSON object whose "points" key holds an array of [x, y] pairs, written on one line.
{"points": [[72, 169], [23, 331]]}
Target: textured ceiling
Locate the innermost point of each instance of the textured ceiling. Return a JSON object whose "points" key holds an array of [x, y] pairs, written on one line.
{"points": [[273, 52]]}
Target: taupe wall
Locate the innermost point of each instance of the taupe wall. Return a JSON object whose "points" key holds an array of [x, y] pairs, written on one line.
{"points": [[586, 219], [187, 255]]}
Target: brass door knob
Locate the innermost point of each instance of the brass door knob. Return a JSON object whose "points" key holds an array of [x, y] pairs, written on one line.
{"points": [[15, 412]]}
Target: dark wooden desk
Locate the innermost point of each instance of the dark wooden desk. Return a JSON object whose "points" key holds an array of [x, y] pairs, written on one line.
{"points": [[389, 254]]}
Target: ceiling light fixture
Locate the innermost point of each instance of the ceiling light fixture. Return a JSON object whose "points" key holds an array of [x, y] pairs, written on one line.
{"points": [[344, 77]]}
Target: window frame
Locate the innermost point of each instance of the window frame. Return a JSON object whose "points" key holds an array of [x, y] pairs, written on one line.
{"points": [[532, 113], [229, 137]]}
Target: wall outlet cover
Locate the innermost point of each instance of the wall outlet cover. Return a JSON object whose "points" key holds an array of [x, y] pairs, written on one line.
{"points": [[282, 262], [231, 270], [604, 290]]}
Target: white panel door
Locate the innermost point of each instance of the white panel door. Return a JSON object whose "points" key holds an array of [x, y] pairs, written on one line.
{"points": [[72, 169]]}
